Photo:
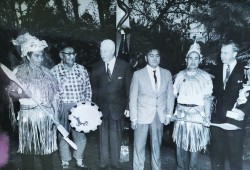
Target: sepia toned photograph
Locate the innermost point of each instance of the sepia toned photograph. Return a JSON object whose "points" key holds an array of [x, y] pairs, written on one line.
{"points": [[125, 85]]}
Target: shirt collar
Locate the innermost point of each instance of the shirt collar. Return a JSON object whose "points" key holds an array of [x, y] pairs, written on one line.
{"points": [[152, 69], [111, 62], [65, 67], [232, 64]]}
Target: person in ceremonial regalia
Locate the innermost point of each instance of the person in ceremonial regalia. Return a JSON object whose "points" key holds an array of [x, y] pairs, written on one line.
{"points": [[193, 90], [37, 134]]}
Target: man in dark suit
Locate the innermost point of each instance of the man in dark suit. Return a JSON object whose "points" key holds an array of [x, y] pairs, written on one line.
{"points": [[228, 82], [111, 79]]}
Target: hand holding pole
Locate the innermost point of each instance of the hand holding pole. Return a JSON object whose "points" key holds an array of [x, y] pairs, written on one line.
{"points": [[225, 126]]}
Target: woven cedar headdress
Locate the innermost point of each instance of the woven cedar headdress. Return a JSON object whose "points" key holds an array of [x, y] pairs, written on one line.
{"points": [[29, 43], [195, 48]]}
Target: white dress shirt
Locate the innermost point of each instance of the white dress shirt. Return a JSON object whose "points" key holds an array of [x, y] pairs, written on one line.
{"points": [[232, 65], [151, 76], [111, 65]]}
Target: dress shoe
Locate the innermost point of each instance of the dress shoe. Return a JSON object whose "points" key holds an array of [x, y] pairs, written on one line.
{"points": [[82, 166], [65, 165]]}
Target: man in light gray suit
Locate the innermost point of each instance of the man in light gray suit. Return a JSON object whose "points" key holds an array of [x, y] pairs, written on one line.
{"points": [[151, 105]]}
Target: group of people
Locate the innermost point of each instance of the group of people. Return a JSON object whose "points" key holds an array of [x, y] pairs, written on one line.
{"points": [[147, 96]]}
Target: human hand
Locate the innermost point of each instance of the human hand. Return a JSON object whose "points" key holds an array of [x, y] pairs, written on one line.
{"points": [[167, 120], [243, 95], [126, 113], [236, 114], [206, 122], [134, 125], [27, 94]]}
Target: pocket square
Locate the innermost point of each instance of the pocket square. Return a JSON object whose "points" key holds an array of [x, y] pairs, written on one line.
{"points": [[120, 77]]}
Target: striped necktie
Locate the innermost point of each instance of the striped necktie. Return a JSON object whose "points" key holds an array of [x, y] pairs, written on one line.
{"points": [[108, 72], [227, 75]]}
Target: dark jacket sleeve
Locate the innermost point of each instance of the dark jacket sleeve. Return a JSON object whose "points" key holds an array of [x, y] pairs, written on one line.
{"points": [[129, 74]]}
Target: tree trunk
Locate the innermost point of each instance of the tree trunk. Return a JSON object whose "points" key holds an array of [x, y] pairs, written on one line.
{"points": [[75, 5], [9, 14], [101, 13], [61, 11]]}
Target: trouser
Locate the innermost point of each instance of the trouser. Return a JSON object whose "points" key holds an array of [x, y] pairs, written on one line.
{"points": [[155, 130], [78, 137], [187, 160], [110, 132], [226, 144], [46, 161]]}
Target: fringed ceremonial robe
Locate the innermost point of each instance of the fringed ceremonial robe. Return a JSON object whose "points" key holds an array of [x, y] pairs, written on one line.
{"points": [[191, 90], [37, 134]]}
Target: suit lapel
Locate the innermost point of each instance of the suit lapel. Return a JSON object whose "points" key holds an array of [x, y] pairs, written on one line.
{"points": [[103, 69], [233, 74], [220, 76], [162, 80], [147, 79], [115, 72]]}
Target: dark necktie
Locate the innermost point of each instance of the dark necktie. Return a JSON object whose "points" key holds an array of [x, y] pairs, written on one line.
{"points": [[227, 75], [108, 72], [155, 79]]}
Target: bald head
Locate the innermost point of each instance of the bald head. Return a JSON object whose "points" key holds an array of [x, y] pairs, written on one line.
{"points": [[107, 50]]}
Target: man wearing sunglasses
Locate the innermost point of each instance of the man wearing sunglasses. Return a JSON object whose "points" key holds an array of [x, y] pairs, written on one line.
{"points": [[75, 84]]}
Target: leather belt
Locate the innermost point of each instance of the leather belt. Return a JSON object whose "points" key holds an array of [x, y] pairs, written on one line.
{"points": [[188, 105]]}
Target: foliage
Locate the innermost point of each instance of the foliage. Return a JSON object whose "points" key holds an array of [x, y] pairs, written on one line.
{"points": [[162, 24], [229, 19]]}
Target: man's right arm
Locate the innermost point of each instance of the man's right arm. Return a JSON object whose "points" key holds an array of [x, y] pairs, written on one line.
{"points": [[133, 96], [15, 92]]}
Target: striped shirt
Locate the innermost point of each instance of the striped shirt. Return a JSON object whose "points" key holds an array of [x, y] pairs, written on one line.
{"points": [[75, 83]]}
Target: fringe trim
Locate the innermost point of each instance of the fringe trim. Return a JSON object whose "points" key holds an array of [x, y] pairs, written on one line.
{"points": [[12, 114], [191, 137], [41, 83], [37, 135]]}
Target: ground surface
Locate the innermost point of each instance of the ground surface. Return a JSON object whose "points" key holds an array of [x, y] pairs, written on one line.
{"points": [[91, 156]]}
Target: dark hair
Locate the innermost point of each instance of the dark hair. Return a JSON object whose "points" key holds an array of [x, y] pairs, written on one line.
{"points": [[29, 53], [64, 45], [152, 50], [235, 46]]}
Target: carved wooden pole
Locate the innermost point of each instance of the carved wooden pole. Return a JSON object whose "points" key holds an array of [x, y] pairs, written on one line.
{"points": [[123, 29]]}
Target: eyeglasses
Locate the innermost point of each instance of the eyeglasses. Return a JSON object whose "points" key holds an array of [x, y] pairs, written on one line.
{"points": [[69, 53]]}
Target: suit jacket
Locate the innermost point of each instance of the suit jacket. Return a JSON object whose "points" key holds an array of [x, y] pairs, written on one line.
{"points": [[111, 96], [145, 102], [226, 98]]}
